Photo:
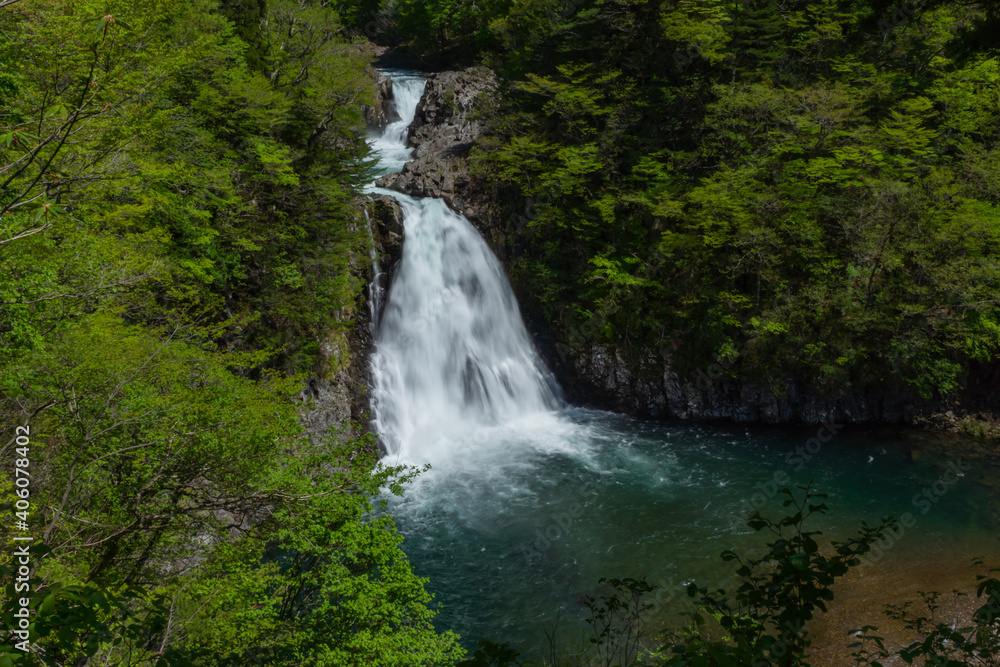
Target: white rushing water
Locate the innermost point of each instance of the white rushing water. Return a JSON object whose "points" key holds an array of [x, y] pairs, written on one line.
{"points": [[452, 357], [391, 146]]}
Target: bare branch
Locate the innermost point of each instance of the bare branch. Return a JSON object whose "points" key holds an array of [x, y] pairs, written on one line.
{"points": [[30, 232]]}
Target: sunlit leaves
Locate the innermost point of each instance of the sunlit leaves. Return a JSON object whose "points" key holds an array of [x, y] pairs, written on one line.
{"points": [[166, 201]]}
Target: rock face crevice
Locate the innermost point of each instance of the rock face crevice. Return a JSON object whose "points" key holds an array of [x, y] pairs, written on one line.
{"points": [[386, 218], [334, 402]]}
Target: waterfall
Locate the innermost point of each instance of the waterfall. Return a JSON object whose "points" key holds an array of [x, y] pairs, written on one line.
{"points": [[528, 503], [375, 286], [391, 146], [452, 354]]}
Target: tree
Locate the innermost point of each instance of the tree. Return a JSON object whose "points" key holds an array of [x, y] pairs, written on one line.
{"points": [[207, 244]]}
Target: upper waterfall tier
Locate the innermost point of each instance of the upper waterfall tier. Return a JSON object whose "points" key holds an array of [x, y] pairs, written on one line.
{"points": [[391, 146]]}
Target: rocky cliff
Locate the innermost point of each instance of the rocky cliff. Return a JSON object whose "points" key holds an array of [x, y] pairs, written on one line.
{"points": [[446, 126], [444, 130], [379, 116], [334, 402], [651, 388]]}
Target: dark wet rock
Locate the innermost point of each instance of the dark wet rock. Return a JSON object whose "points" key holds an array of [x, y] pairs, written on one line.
{"points": [[387, 229], [602, 377], [381, 115]]}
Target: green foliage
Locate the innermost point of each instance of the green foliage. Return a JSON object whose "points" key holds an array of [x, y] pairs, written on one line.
{"points": [[237, 185], [447, 30], [821, 168], [170, 474], [246, 16], [490, 654], [76, 619], [178, 237], [322, 581], [365, 17], [765, 621], [616, 621]]}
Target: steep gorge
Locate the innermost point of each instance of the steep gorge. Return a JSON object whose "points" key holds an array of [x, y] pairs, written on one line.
{"points": [[640, 383]]}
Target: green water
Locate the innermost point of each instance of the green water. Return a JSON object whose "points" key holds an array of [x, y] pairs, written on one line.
{"points": [[515, 524]]}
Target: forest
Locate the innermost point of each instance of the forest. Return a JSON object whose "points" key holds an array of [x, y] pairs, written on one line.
{"points": [[810, 183], [179, 235], [794, 189]]}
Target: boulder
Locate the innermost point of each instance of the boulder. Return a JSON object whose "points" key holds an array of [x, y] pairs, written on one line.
{"points": [[386, 217], [445, 116], [383, 113]]}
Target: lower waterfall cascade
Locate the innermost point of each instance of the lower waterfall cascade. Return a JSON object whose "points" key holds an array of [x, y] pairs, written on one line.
{"points": [[452, 352], [452, 356]]}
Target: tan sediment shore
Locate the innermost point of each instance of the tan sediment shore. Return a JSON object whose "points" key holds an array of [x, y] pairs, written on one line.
{"points": [[900, 576]]}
